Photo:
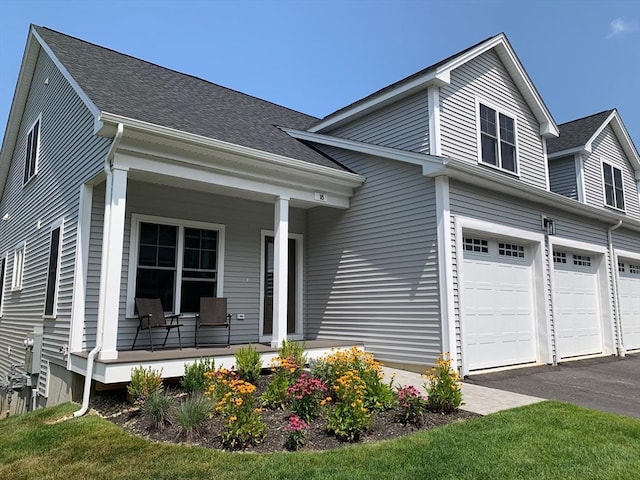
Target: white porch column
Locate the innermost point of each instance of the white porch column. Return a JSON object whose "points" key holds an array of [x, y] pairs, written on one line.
{"points": [[280, 270], [112, 240]]}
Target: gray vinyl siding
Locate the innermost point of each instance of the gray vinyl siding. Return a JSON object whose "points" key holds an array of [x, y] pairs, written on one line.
{"points": [[373, 273], [607, 148], [562, 177], [472, 202], [486, 79], [628, 240], [403, 125], [69, 155], [243, 220]]}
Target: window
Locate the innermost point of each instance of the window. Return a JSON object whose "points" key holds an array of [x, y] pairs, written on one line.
{"points": [[613, 189], [31, 157], [635, 269], [559, 257], [510, 250], [582, 260], [497, 139], [18, 268], [52, 273], [476, 245], [178, 262], [3, 265], [620, 267]]}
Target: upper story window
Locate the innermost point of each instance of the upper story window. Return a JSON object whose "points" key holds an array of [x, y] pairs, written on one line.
{"points": [[613, 189], [497, 139], [18, 268], [33, 148], [53, 273]]}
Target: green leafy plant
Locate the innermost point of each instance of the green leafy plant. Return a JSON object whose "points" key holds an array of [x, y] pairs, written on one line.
{"points": [[305, 396], [194, 379], [193, 413], [243, 421], [444, 392], [219, 383], [285, 371], [348, 418], [294, 351], [157, 408], [248, 363], [296, 433], [410, 406], [144, 383]]}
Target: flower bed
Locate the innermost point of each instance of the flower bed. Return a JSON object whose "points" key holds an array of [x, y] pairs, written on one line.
{"points": [[339, 399]]}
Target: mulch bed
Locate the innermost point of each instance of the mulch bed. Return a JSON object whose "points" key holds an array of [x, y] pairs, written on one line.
{"points": [[113, 406]]}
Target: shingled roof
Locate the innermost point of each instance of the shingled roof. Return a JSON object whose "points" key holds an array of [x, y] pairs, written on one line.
{"points": [[123, 85], [577, 132]]}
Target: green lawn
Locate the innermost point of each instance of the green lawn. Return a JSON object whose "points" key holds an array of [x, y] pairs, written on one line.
{"points": [[547, 440]]}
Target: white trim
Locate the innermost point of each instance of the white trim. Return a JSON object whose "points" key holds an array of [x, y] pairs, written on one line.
{"points": [[445, 266], [36, 168], [430, 164], [499, 110], [299, 333], [81, 269], [601, 263], [604, 191], [211, 143], [579, 168], [626, 254], [433, 95], [536, 241], [545, 159], [65, 73], [180, 224], [17, 278], [56, 292]]}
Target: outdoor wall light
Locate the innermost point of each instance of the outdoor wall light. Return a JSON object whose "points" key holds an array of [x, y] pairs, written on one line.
{"points": [[549, 226]]}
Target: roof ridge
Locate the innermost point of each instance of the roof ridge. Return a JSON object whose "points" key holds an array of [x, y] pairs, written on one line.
{"points": [[311, 117], [609, 111]]}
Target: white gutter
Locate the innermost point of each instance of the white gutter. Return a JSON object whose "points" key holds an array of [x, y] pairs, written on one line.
{"points": [[103, 269], [614, 284]]}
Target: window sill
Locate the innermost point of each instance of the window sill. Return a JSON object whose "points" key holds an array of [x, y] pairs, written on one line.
{"points": [[494, 167], [49, 317], [615, 209], [30, 181]]}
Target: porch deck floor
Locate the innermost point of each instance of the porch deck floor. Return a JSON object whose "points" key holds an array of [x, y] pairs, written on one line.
{"points": [[142, 356]]}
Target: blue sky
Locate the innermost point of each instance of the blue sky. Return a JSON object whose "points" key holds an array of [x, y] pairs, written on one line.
{"points": [[318, 56]]}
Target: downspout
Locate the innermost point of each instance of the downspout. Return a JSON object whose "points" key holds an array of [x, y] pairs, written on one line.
{"points": [[614, 284], [103, 268]]}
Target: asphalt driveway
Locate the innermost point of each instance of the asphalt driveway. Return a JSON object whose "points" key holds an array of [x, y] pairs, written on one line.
{"points": [[610, 384]]}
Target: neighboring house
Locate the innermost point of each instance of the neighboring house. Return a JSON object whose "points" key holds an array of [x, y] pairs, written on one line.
{"points": [[446, 212]]}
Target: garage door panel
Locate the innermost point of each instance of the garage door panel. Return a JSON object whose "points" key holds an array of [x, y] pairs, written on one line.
{"points": [[629, 294], [576, 305], [498, 323]]}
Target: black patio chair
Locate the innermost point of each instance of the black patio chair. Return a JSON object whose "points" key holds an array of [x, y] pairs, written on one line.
{"points": [[151, 316], [213, 313]]}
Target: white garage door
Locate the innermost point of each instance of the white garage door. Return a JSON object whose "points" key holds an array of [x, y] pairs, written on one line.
{"points": [[498, 314], [629, 293], [576, 304]]}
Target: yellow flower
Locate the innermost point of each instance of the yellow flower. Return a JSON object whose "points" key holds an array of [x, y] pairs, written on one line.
{"points": [[238, 401], [233, 418]]}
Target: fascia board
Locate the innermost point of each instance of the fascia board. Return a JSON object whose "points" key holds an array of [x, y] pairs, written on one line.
{"points": [[429, 163], [170, 134], [471, 173], [623, 137], [569, 151], [20, 95]]}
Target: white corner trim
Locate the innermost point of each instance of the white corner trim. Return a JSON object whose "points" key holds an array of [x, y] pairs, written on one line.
{"points": [[545, 159], [432, 163], [445, 266], [433, 94], [579, 166]]}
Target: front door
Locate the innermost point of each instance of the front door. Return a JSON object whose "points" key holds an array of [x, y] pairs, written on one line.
{"points": [[292, 286]]}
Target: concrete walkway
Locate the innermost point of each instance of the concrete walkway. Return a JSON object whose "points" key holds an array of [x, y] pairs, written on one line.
{"points": [[477, 399]]}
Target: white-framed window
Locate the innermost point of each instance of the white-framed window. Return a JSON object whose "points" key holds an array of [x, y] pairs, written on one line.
{"points": [[32, 151], [510, 250], [476, 245], [559, 257], [582, 260], [613, 186], [497, 138], [18, 267], [3, 271], [175, 260], [621, 267], [634, 269], [53, 271]]}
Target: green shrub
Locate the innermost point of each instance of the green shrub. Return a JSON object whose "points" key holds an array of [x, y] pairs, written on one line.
{"points": [[294, 351], [275, 394], [243, 421], [348, 418], [444, 392], [194, 379], [193, 413], [157, 408], [144, 383], [248, 363]]}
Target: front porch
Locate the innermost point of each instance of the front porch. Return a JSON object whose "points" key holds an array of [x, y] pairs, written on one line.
{"points": [[171, 361]]}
